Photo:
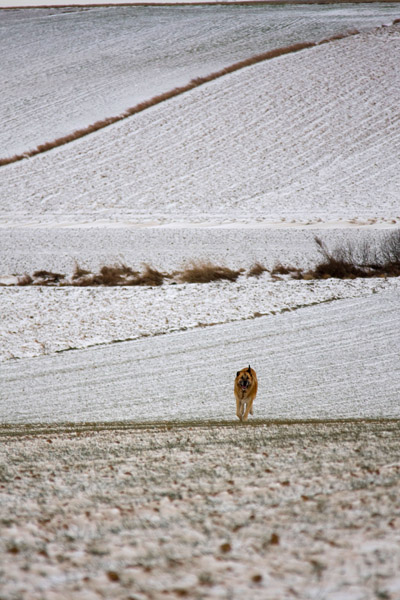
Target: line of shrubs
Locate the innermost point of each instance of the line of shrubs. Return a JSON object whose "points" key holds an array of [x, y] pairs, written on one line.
{"points": [[347, 261], [121, 274]]}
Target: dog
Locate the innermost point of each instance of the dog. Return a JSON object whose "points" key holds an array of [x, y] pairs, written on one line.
{"points": [[245, 389]]}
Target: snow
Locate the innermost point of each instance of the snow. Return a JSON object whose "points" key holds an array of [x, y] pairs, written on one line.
{"points": [[247, 168], [122, 468], [169, 247], [319, 143], [329, 358], [47, 320], [191, 511], [54, 79]]}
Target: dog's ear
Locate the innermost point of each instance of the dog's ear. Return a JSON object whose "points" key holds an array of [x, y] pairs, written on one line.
{"points": [[237, 374], [249, 369]]}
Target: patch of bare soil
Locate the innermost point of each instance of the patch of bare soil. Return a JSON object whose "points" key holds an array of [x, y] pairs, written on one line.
{"points": [[263, 510]]}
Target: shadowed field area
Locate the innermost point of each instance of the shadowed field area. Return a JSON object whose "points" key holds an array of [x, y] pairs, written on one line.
{"points": [[301, 509]]}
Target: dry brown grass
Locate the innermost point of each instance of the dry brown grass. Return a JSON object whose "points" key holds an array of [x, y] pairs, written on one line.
{"points": [[389, 253], [48, 277], [150, 276], [25, 279], [116, 275], [107, 276], [256, 270], [280, 269], [205, 272], [364, 260], [346, 261], [341, 263], [339, 36], [121, 274], [79, 272]]}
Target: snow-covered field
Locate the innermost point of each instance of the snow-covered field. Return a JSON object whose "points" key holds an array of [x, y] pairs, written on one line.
{"points": [[249, 167], [335, 358], [309, 137], [42, 321], [164, 494], [65, 69], [227, 512]]}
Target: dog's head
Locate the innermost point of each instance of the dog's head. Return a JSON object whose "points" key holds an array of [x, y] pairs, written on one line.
{"points": [[244, 378]]}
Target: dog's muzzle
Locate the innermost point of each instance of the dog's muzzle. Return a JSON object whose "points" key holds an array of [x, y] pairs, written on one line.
{"points": [[244, 384]]}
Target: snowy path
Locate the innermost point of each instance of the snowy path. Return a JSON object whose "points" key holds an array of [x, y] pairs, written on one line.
{"points": [[332, 360]]}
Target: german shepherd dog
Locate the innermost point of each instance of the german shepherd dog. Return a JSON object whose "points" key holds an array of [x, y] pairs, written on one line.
{"points": [[246, 385]]}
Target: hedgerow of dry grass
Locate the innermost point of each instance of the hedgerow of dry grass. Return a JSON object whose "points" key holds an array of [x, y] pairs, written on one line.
{"points": [[389, 256], [116, 275], [347, 261], [205, 272], [48, 276], [341, 263], [25, 279], [79, 272], [280, 269], [256, 270], [121, 274], [150, 276]]}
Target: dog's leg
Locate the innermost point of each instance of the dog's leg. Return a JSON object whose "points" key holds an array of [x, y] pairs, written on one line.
{"points": [[239, 411], [251, 406], [248, 409]]}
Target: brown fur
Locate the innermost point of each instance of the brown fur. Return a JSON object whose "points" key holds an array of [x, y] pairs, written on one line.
{"points": [[245, 389]]}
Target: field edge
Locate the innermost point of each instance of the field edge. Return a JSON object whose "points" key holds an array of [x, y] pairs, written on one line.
{"points": [[78, 428]]}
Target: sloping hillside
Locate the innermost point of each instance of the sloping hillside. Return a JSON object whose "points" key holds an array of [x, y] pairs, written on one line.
{"points": [[313, 135]]}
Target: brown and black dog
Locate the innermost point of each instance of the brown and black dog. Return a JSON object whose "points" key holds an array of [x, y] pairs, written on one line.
{"points": [[246, 385]]}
